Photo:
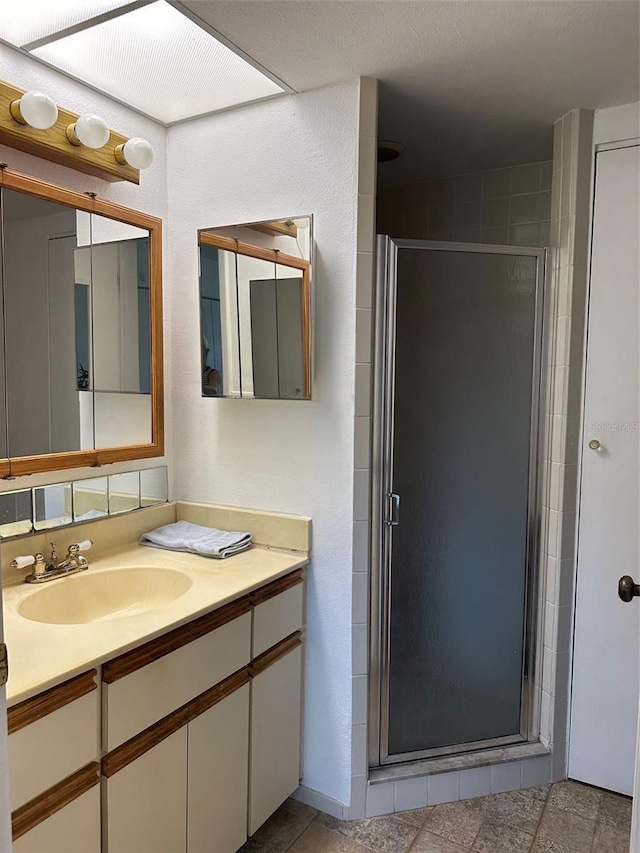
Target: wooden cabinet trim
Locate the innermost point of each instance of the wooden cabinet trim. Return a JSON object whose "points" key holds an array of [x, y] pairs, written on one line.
{"points": [[48, 803], [276, 587], [40, 706], [231, 244], [155, 649], [23, 465], [136, 747], [268, 658]]}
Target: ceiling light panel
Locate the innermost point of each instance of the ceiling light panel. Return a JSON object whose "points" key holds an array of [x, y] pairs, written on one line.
{"points": [[161, 63], [27, 21]]}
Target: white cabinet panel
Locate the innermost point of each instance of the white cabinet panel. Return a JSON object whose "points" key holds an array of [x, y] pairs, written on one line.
{"points": [[218, 776], [277, 618], [73, 829], [52, 748], [275, 737], [146, 801], [138, 700]]}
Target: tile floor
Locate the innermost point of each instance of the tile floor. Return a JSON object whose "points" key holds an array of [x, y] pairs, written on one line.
{"points": [[567, 817]]}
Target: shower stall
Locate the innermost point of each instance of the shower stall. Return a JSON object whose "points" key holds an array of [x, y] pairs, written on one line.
{"points": [[455, 497]]}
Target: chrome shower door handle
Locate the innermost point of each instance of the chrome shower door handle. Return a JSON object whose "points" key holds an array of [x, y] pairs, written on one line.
{"points": [[393, 519]]}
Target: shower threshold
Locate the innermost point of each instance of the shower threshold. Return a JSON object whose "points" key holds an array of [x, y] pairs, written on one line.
{"points": [[461, 761]]}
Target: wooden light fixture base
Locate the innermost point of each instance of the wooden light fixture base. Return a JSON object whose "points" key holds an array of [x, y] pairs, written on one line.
{"points": [[52, 144]]}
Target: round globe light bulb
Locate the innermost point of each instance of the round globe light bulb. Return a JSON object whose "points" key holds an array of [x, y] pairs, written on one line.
{"points": [[137, 152], [91, 130], [36, 109]]}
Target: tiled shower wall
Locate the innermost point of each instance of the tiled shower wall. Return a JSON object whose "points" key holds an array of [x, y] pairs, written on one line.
{"points": [[571, 193], [510, 206], [566, 304], [362, 446]]}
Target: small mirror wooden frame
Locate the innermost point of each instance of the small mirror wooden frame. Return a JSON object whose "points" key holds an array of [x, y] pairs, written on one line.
{"points": [[275, 256], [18, 466]]}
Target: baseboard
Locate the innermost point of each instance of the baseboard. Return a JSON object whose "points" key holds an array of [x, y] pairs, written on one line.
{"points": [[321, 802]]}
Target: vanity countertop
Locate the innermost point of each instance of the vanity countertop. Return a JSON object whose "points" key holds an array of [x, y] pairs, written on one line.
{"points": [[42, 655]]}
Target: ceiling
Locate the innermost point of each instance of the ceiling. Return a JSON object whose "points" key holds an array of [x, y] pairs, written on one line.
{"points": [[147, 54], [464, 84]]}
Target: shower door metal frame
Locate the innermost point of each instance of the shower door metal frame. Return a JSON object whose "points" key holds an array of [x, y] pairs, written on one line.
{"points": [[382, 487]]}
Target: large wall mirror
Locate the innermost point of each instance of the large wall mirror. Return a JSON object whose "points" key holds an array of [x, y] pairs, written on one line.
{"points": [[81, 327], [255, 309]]}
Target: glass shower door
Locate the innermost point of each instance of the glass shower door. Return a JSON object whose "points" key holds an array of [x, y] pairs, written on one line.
{"points": [[459, 496]]}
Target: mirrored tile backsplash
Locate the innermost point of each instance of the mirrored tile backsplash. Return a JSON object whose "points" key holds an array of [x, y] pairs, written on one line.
{"points": [[61, 504]]}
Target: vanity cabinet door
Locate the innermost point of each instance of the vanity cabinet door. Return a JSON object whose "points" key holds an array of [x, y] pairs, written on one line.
{"points": [[73, 829], [146, 801], [51, 736], [218, 776], [274, 770]]}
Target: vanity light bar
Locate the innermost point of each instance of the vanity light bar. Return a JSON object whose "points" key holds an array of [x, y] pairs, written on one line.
{"points": [[32, 122]]}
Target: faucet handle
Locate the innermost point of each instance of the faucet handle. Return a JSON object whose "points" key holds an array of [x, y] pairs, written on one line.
{"points": [[36, 560], [83, 545], [23, 562]]}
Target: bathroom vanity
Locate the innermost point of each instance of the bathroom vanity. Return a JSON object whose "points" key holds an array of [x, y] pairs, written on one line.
{"points": [[176, 728]]}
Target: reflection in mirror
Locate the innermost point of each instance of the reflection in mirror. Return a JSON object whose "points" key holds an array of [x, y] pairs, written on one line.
{"points": [[46, 368], [4, 453], [154, 488], [52, 506], [258, 348], [90, 499], [218, 318], [124, 492], [277, 335], [76, 355], [15, 513], [255, 309], [122, 337]]}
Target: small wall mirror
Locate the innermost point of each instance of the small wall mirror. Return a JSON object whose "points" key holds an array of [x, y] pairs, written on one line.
{"points": [[154, 488], [83, 500], [124, 492], [90, 498], [52, 506], [255, 309], [15, 513], [80, 329]]}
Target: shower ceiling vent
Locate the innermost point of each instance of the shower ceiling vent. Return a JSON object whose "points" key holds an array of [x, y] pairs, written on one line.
{"points": [[388, 151]]}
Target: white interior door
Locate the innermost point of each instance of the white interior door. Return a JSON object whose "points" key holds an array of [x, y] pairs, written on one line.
{"points": [[606, 652], [635, 820]]}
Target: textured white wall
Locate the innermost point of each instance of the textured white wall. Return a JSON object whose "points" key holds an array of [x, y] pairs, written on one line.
{"points": [[150, 196], [289, 157], [292, 156]]}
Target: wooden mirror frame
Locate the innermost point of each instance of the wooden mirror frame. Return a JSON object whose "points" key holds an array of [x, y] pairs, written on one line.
{"points": [[230, 244], [20, 465]]}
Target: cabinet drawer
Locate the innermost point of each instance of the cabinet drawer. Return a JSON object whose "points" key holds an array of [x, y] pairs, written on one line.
{"points": [[278, 612], [73, 829], [136, 700], [52, 736]]}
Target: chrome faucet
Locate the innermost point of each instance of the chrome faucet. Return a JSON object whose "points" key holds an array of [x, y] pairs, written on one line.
{"points": [[43, 571]]}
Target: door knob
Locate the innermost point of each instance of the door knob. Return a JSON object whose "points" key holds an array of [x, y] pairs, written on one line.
{"points": [[628, 588]]}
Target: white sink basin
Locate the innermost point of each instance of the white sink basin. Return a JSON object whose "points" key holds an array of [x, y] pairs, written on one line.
{"points": [[100, 597]]}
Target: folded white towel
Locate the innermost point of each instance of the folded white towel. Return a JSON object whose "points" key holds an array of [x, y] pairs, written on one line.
{"points": [[196, 539]]}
